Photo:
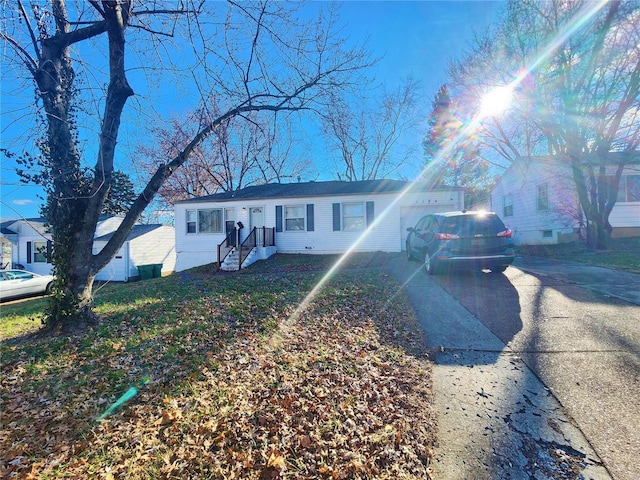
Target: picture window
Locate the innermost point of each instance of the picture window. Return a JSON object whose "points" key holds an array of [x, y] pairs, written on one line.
{"points": [[205, 221]]}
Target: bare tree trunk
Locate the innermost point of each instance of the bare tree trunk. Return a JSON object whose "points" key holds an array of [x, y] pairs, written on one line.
{"points": [[76, 194]]}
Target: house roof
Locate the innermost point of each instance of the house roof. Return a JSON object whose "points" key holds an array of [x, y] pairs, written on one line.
{"points": [[612, 158], [318, 189], [4, 228], [39, 224], [136, 231]]}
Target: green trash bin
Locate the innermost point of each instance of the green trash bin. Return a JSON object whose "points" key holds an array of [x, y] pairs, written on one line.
{"points": [[157, 270], [146, 272]]}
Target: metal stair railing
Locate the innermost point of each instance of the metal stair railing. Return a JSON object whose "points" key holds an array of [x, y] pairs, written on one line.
{"points": [[227, 246], [248, 245], [268, 237]]}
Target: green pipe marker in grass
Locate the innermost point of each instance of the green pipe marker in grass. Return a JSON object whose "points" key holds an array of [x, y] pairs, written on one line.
{"points": [[124, 398]]}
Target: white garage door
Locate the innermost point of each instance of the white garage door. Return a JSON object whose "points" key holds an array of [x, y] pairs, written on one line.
{"points": [[409, 216], [115, 271]]}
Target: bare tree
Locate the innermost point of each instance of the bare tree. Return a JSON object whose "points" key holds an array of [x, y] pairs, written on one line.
{"points": [[245, 150], [278, 159], [575, 71], [363, 136], [250, 57]]}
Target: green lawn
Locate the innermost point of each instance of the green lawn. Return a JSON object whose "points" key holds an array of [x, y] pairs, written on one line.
{"points": [[624, 253], [228, 377]]}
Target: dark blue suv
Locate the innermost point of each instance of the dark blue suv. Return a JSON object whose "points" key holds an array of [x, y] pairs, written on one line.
{"points": [[469, 240]]}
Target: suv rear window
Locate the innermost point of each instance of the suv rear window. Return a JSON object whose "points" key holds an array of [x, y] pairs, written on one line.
{"points": [[472, 225]]}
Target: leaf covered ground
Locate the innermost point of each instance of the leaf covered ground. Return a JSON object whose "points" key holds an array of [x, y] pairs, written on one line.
{"points": [[229, 376]]}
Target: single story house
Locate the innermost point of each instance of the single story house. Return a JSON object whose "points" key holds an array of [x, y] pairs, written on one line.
{"points": [[27, 241], [309, 217], [536, 197]]}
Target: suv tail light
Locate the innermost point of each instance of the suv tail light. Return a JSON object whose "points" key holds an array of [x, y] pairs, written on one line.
{"points": [[446, 236], [505, 233]]}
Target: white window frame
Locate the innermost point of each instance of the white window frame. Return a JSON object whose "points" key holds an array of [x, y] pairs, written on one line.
{"points": [[198, 221], [542, 201], [286, 217], [627, 187], [39, 252], [193, 221], [347, 225], [507, 201]]}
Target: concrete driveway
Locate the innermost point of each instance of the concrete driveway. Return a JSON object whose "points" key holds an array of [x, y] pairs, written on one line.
{"points": [[535, 377]]}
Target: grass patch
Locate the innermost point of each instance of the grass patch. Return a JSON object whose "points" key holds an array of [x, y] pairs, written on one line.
{"points": [[623, 254], [230, 383], [21, 318]]}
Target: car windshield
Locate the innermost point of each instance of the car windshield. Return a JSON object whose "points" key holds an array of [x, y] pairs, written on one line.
{"points": [[473, 225]]}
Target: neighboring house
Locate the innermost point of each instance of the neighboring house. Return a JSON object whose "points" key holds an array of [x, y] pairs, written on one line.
{"points": [[310, 217], [27, 242], [145, 245], [536, 197]]}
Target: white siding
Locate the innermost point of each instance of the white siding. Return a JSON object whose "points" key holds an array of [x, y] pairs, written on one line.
{"points": [[193, 250], [529, 224], [391, 214], [521, 181], [30, 232], [625, 215], [157, 246], [154, 247], [116, 270]]}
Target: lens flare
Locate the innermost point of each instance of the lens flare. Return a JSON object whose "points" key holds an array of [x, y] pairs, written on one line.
{"points": [[430, 171]]}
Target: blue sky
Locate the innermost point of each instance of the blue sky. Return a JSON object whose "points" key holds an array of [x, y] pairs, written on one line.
{"points": [[416, 39]]}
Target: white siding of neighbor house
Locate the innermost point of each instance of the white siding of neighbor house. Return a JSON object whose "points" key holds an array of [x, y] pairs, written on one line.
{"points": [[27, 233], [529, 225], [117, 269], [390, 217], [625, 215], [154, 247]]}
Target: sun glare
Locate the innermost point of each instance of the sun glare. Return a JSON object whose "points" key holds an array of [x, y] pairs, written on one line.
{"points": [[496, 101]]}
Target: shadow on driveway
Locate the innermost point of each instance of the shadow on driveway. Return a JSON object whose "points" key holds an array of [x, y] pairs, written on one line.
{"points": [[496, 418]]}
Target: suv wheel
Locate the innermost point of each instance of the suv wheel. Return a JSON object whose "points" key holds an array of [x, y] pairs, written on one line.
{"points": [[409, 255], [429, 264]]}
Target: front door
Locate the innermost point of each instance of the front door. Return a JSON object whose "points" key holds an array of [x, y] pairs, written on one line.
{"points": [[230, 225], [256, 219]]}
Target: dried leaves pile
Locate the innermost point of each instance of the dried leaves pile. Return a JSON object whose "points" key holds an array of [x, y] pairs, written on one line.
{"points": [[339, 390]]}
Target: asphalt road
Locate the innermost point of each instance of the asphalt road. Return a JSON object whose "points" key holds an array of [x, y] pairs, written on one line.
{"points": [[581, 341]]}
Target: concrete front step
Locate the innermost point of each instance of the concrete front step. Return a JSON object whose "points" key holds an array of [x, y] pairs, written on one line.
{"points": [[230, 263]]}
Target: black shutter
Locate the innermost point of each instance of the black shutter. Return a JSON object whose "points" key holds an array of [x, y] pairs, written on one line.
{"points": [[369, 213], [310, 219], [278, 218], [336, 217], [49, 244], [29, 252]]}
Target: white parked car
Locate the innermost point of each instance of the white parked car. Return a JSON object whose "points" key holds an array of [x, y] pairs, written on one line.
{"points": [[20, 283]]}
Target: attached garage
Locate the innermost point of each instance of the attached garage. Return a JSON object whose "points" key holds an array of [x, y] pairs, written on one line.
{"points": [[409, 216]]}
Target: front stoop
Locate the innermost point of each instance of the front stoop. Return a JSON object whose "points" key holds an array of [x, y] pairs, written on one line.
{"points": [[230, 263]]}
